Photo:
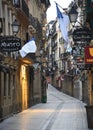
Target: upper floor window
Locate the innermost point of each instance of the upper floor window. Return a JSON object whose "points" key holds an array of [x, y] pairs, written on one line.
{"points": [[16, 3]]}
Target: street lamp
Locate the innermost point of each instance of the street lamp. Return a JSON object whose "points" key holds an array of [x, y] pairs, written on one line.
{"points": [[15, 26], [41, 51], [73, 14]]}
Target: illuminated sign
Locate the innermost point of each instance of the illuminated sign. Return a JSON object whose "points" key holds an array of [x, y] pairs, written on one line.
{"points": [[89, 54]]}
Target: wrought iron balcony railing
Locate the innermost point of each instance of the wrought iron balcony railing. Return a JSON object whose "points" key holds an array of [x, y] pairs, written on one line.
{"points": [[46, 2], [36, 25], [22, 5]]}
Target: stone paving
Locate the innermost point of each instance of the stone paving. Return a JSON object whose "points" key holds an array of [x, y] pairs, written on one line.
{"points": [[61, 112]]}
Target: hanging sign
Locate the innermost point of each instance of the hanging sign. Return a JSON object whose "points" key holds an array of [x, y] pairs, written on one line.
{"points": [[82, 36], [10, 44], [89, 54], [81, 66]]}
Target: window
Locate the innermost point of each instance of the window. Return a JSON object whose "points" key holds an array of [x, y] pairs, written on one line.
{"points": [[13, 80], [5, 78], [59, 52], [16, 3], [9, 85]]}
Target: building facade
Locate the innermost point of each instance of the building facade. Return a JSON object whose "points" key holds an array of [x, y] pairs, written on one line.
{"points": [[71, 66], [18, 80]]}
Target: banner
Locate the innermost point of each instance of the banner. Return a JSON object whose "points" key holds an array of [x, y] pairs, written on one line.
{"points": [[89, 54], [29, 47], [63, 22]]}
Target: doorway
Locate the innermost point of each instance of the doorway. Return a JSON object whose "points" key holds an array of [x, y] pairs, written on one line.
{"points": [[24, 85]]}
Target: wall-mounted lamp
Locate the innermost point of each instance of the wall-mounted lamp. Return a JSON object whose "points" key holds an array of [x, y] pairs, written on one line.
{"points": [[1, 25], [73, 14], [41, 51], [15, 26]]}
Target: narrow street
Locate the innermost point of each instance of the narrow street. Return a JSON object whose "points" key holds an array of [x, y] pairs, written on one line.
{"points": [[61, 112]]}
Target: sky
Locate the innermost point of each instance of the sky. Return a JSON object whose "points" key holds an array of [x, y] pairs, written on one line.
{"points": [[51, 12]]}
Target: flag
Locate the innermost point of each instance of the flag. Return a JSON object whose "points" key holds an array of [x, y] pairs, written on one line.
{"points": [[63, 23], [29, 47]]}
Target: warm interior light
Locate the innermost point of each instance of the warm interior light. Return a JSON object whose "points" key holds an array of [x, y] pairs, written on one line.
{"points": [[24, 86]]}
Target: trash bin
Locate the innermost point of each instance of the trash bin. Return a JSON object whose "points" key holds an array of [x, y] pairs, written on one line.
{"points": [[89, 111]]}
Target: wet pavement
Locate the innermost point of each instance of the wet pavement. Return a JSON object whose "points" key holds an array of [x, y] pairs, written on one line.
{"points": [[61, 112]]}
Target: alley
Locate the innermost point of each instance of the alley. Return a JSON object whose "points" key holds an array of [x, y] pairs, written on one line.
{"points": [[61, 112]]}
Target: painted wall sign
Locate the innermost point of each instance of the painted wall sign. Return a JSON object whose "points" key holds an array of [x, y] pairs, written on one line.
{"points": [[89, 54], [82, 35], [10, 44]]}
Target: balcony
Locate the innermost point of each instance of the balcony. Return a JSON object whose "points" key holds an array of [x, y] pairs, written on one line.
{"points": [[65, 55], [21, 4], [36, 25]]}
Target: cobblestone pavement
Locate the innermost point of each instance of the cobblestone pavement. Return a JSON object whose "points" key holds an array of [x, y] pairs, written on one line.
{"points": [[61, 112]]}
